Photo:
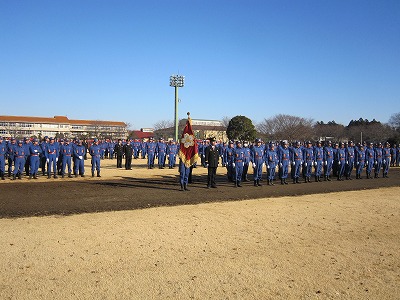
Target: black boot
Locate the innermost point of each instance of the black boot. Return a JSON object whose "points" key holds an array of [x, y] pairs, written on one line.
{"points": [[19, 176], [255, 183], [297, 180], [181, 189], [309, 179], [30, 176], [2, 176], [294, 181], [258, 182], [69, 175], [55, 175], [282, 182], [62, 175], [329, 178], [98, 174], [14, 177], [92, 173], [185, 187], [238, 184], [35, 176]]}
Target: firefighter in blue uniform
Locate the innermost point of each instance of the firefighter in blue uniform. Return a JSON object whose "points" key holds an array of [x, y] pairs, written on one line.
{"points": [[19, 155], [136, 148], [370, 159], [257, 158], [318, 161], [143, 147], [222, 153], [3, 153], [27, 144], [247, 158], [349, 160], [52, 158], [341, 159], [386, 158], [393, 152], [66, 154], [297, 162], [378, 159], [151, 153], [172, 151], [308, 161], [161, 153], [34, 151], [284, 161], [271, 160], [238, 163], [79, 158], [359, 160], [95, 152], [328, 161], [230, 159], [10, 154]]}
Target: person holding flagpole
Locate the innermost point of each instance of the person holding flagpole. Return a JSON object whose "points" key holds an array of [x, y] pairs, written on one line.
{"points": [[188, 154]]}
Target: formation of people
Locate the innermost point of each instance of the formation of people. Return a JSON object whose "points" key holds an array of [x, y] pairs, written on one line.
{"points": [[299, 161], [320, 161]]}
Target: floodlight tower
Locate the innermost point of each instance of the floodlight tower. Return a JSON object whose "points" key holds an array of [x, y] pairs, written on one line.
{"points": [[176, 81]]}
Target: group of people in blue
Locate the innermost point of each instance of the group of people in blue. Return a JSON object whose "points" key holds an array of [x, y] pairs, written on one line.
{"points": [[307, 160], [300, 160]]}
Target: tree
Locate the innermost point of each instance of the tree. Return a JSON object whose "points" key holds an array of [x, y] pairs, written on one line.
{"points": [[329, 130], [281, 127], [394, 121], [241, 128]]}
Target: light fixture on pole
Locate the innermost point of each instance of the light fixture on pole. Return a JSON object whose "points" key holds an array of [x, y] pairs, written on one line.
{"points": [[176, 81]]}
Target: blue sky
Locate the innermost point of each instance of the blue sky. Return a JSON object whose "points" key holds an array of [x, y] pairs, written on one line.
{"points": [[111, 60]]}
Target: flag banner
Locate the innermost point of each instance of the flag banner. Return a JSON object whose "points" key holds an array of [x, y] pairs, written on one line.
{"points": [[188, 148]]}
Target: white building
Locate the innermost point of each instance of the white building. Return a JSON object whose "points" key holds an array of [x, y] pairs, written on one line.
{"points": [[23, 126]]}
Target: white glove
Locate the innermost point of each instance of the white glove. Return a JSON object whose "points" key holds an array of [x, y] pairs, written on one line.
{"points": [[48, 160], [293, 163], [326, 163], [254, 165], [243, 164], [366, 163], [347, 162], [384, 161], [56, 159], [376, 162], [207, 165], [263, 164], [233, 164], [305, 164], [35, 151], [267, 166], [280, 164], [80, 157], [358, 163], [339, 163]]}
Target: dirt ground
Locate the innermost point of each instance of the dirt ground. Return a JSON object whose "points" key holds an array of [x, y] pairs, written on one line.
{"points": [[90, 238]]}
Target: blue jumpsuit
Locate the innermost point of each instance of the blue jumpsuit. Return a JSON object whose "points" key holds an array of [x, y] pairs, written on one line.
{"points": [[349, 161], [10, 153], [172, 151], [318, 160], [161, 153], [239, 157], [341, 159], [151, 152], [328, 162], [183, 174], [370, 160], [3, 152], [66, 154], [52, 157], [271, 160], [95, 152], [284, 161], [19, 155], [297, 161], [386, 161], [229, 158], [247, 158], [35, 151], [79, 162], [257, 158], [308, 158], [378, 161], [359, 158]]}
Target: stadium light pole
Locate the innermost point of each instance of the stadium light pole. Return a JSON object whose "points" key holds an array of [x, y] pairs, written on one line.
{"points": [[176, 81]]}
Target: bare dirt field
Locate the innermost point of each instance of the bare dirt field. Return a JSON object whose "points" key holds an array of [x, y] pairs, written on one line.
{"points": [[90, 238]]}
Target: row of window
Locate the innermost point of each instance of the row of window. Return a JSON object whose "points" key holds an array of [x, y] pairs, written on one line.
{"points": [[9, 125]]}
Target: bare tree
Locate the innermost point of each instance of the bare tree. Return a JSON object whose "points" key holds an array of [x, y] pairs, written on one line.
{"points": [[225, 121], [163, 124], [394, 121], [280, 127]]}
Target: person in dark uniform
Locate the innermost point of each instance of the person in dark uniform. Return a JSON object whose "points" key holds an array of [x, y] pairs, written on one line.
{"points": [[128, 151], [212, 159], [119, 151]]}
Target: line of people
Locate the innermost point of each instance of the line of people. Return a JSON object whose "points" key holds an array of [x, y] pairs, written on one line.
{"points": [[303, 160]]}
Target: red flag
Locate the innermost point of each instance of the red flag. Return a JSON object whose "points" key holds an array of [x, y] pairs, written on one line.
{"points": [[188, 149]]}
